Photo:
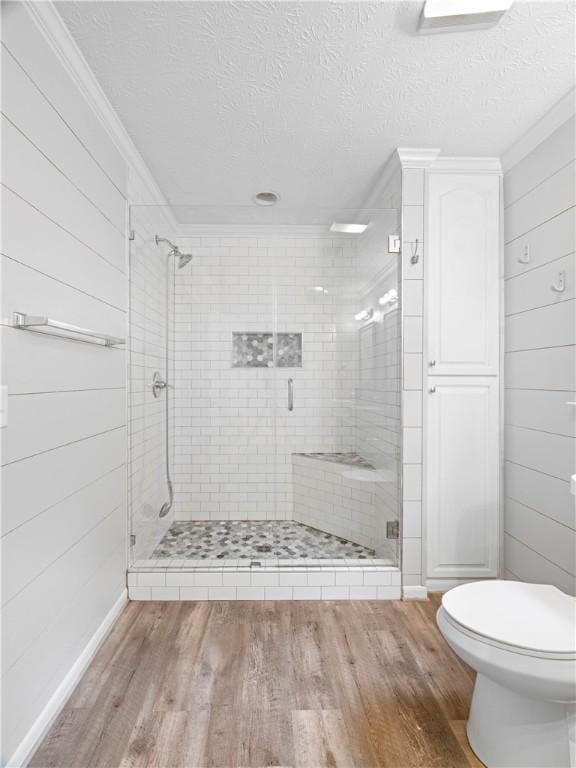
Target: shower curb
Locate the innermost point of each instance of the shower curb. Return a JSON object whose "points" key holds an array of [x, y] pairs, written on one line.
{"points": [[289, 582]]}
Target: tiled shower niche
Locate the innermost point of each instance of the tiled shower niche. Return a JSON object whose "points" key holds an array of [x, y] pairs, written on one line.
{"points": [[266, 350]]}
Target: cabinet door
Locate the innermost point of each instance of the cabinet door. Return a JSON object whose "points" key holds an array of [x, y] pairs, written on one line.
{"points": [[462, 270], [462, 465]]}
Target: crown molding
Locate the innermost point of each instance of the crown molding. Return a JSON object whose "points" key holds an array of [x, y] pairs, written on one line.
{"points": [[58, 36], [409, 157], [401, 158], [416, 157], [388, 269], [562, 111], [468, 164], [391, 167]]}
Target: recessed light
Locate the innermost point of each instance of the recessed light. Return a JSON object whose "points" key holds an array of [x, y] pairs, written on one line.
{"points": [[266, 198], [461, 15], [349, 229]]}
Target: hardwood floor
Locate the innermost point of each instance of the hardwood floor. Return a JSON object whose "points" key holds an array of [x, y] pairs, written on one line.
{"points": [[230, 684]]}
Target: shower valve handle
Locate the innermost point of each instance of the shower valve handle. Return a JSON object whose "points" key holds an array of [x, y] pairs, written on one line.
{"points": [[158, 384]]}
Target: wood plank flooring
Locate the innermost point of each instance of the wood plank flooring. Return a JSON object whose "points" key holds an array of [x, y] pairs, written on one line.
{"points": [[251, 684]]}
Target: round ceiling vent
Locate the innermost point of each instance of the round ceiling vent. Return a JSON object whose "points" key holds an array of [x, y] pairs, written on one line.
{"points": [[266, 198]]}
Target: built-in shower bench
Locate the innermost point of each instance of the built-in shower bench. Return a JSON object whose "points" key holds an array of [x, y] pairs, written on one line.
{"points": [[342, 494]]}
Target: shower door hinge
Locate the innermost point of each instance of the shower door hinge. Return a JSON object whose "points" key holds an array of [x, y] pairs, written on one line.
{"points": [[131, 235], [132, 539], [393, 244], [393, 529]]}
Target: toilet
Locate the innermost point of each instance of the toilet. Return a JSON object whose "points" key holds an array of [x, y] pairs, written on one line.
{"points": [[521, 640]]}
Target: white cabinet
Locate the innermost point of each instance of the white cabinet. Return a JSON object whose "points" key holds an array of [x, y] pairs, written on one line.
{"points": [[462, 468], [462, 360], [462, 267]]}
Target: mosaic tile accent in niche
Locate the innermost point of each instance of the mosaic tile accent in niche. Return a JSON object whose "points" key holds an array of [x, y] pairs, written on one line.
{"points": [[289, 350], [256, 350], [252, 350]]}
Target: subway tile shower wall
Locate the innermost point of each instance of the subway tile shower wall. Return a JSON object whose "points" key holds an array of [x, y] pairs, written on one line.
{"points": [[234, 434]]}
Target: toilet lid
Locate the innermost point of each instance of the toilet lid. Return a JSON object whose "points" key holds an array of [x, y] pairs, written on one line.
{"points": [[537, 617]]}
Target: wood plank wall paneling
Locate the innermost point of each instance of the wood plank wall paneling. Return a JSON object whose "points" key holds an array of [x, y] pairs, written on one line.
{"points": [[64, 447], [540, 370], [26, 230]]}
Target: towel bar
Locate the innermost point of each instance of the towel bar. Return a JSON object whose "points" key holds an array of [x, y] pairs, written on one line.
{"points": [[66, 331]]}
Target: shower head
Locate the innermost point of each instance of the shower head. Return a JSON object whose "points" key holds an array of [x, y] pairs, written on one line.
{"points": [[183, 258]]}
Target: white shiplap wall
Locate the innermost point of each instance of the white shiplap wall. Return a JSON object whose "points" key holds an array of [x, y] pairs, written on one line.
{"points": [[64, 446], [540, 371]]}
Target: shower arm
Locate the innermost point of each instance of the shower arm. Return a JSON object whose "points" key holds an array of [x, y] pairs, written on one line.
{"points": [[158, 240]]}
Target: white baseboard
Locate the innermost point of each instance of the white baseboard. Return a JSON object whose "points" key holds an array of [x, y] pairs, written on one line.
{"points": [[443, 585], [31, 741], [418, 592]]}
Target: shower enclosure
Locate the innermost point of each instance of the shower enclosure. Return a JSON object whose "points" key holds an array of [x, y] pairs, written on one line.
{"points": [[279, 348]]}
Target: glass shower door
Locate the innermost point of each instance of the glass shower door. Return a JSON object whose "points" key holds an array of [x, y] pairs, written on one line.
{"points": [[338, 388], [147, 320], [222, 436], [284, 383]]}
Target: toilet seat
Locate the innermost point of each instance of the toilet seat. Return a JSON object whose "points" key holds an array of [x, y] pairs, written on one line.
{"points": [[502, 614], [507, 647]]}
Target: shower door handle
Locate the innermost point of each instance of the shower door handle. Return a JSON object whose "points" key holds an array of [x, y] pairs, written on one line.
{"points": [[290, 394]]}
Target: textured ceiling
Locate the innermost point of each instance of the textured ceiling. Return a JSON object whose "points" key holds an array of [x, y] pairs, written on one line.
{"points": [[224, 99]]}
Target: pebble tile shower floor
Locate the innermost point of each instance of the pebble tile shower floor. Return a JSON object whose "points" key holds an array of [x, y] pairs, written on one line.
{"points": [[225, 539]]}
